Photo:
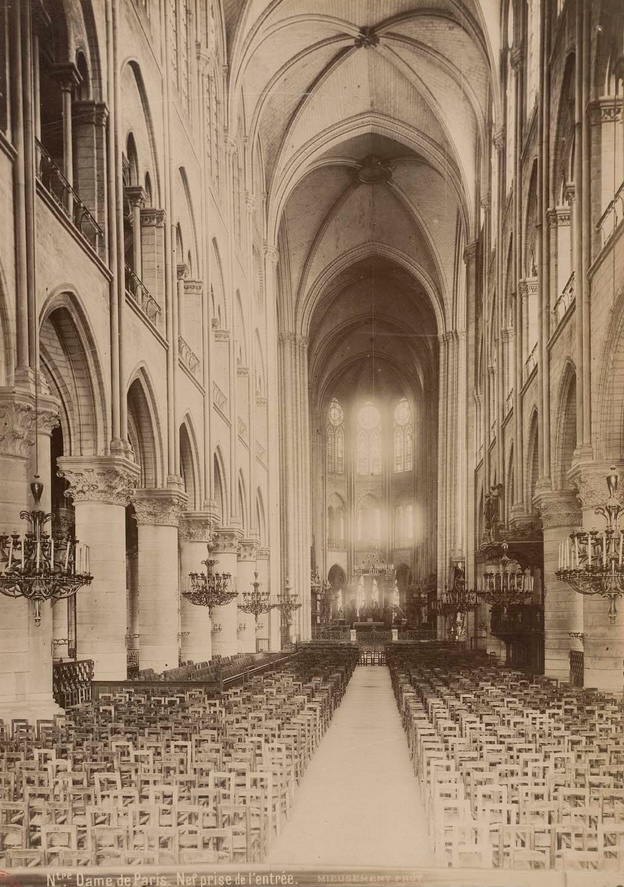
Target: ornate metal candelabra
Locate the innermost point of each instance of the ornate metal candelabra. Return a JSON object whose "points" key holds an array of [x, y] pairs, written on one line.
{"points": [[287, 604], [507, 585], [255, 602], [40, 566], [457, 599], [209, 589], [590, 561]]}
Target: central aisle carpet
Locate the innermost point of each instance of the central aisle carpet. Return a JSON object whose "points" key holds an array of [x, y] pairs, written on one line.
{"points": [[359, 802]]}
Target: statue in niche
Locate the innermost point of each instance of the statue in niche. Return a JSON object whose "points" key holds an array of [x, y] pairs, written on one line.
{"points": [[491, 508]]}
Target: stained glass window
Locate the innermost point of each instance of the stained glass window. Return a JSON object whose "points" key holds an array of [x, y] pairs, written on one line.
{"points": [[369, 440], [403, 437], [335, 438]]}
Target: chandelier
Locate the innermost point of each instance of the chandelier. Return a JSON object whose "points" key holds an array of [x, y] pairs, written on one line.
{"points": [[457, 599], [286, 605], [508, 585], [590, 561], [209, 589], [37, 566], [255, 602]]}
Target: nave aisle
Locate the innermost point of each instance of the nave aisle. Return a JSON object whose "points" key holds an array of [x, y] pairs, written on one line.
{"points": [[359, 802]]}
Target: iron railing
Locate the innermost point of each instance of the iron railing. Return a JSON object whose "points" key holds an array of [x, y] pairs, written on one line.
{"points": [[66, 198], [142, 296]]}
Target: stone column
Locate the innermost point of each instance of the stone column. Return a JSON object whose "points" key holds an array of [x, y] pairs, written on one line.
{"points": [[68, 77], [246, 568], [224, 640], [563, 607], [136, 198], [25, 648], [157, 514], [89, 122], [101, 487], [195, 621], [604, 641]]}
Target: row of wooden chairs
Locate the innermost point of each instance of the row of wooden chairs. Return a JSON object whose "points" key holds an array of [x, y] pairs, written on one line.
{"points": [[515, 772], [141, 776]]}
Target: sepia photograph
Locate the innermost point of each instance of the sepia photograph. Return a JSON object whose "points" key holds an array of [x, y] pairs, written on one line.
{"points": [[311, 443]]}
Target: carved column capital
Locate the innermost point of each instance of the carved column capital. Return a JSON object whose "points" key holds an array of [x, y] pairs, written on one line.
{"points": [[226, 540], [196, 526], [558, 508], [17, 420], [470, 252], [110, 479], [263, 554], [247, 550], [153, 218], [136, 195], [160, 508], [271, 253], [590, 479]]}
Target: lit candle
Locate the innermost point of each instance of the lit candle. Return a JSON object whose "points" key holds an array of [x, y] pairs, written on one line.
{"points": [[52, 554], [576, 551], [620, 559], [67, 555], [10, 552], [87, 558], [23, 565], [589, 549], [604, 549], [38, 546], [560, 544]]}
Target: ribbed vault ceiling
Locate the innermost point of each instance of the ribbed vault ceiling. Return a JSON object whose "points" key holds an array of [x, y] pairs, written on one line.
{"points": [[370, 119]]}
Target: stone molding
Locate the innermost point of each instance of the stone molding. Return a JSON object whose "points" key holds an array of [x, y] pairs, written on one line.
{"points": [[17, 421], [294, 339], [158, 508], [218, 397], [263, 554], [607, 109], [109, 479], [558, 508]]}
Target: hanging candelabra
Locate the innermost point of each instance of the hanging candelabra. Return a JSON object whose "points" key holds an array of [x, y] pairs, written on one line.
{"points": [[457, 599], [255, 602], [37, 565], [209, 589], [507, 585], [590, 561]]}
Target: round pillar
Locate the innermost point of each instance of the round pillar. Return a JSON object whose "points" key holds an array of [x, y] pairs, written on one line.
{"points": [[101, 487], [25, 648], [603, 640], [563, 607], [195, 621], [225, 618], [246, 568], [157, 513]]}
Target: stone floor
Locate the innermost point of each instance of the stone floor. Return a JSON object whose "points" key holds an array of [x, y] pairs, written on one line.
{"points": [[359, 802]]}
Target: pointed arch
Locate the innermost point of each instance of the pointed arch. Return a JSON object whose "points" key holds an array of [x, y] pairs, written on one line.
{"points": [[565, 428], [71, 365], [220, 487], [242, 502], [217, 288], [261, 518], [189, 462], [532, 463], [144, 428]]}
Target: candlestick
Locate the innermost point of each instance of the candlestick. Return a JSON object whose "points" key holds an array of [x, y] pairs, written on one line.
{"points": [[23, 564], [10, 552], [620, 558], [67, 555], [38, 547], [576, 551], [604, 549]]}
